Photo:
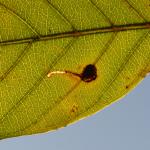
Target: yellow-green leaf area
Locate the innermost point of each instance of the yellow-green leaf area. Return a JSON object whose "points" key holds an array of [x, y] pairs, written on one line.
{"points": [[45, 45]]}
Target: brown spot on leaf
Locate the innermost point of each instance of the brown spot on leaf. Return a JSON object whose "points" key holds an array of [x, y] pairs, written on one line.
{"points": [[74, 109], [89, 73], [142, 74], [127, 78], [127, 87]]}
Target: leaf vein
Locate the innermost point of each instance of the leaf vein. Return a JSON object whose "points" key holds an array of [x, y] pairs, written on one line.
{"points": [[21, 19], [61, 14], [38, 82], [16, 62], [107, 19], [135, 10], [118, 28]]}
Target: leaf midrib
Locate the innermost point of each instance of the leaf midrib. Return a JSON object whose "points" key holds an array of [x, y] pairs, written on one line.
{"points": [[115, 28]]}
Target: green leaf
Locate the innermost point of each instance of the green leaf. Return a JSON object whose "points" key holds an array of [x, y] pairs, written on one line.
{"points": [[60, 39]]}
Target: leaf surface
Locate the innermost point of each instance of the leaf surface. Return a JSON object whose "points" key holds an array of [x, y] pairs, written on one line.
{"points": [[53, 36]]}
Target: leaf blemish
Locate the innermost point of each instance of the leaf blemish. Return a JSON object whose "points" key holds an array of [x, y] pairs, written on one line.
{"points": [[127, 86], [88, 74], [55, 72], [74, 109]]}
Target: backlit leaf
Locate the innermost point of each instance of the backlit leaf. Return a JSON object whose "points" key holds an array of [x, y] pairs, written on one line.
{"points": [[47, 48]]}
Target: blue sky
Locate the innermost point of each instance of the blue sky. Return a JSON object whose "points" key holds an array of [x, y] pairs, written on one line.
{"points": [[124, 125]]}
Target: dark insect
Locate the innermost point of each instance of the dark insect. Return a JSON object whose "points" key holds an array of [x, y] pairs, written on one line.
{"points": [[89, 73]]}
